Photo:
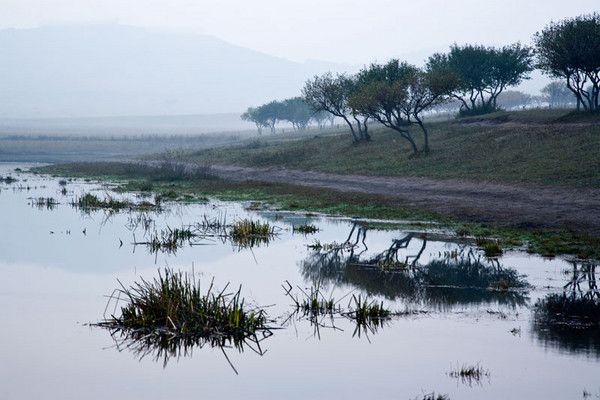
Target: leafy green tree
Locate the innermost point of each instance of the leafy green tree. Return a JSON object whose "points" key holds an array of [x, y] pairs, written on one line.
{"points": [[331, 94], [480, 74], [570, 50], [396, 95]]}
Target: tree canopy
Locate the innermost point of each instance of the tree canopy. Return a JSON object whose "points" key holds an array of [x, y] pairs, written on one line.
{"points": [[294, 110], [479, 74], [396, 94], [570, 50], [331, 93]]}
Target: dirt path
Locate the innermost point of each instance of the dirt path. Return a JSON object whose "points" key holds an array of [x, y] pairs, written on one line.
{"points": [[514, 205]]}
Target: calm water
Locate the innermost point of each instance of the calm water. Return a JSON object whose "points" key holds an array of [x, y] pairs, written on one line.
{"points": [[58, 266]]}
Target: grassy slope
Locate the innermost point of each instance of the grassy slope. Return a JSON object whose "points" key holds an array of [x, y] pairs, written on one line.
{"points": [[522, 147]]}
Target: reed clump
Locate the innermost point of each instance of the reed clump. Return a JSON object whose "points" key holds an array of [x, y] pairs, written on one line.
{"points": [[8, 179], [305, 229], [491, 248], [469, 373], [44, 202], [169, 239], [249, 233], [90, 201], [433, 396], [312, 302], [367, 312], [173, 304]]}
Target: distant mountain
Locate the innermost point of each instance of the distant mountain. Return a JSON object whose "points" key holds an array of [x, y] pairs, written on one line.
{"points": [[115, 70]]}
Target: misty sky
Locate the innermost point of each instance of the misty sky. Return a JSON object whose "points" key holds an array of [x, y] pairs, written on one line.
{"points": [[350, 31]]}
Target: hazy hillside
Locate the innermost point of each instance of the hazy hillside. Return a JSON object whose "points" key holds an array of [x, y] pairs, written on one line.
{"points": [[99, 70]]}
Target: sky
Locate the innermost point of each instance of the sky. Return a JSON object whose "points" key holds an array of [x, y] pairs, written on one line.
{"points": [[349, 32]]}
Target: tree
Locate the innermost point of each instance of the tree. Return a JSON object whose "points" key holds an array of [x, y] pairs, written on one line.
{"points": [[511, 99], [557, 94], [331, 93], [322, 118], [570, 50], [396, 94], [254, 115], [480, 74], [297, 112]]}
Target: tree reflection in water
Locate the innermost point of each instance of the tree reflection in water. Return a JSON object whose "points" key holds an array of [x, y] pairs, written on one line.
{"points": [[459, 277], [570, 321]]}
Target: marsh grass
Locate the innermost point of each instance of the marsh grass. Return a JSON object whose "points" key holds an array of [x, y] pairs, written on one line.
{"points": [[490, 247], [367, 312], [173, 305], [169, 239], [249, 233], [90, 201], [48, 203], [469, 374], [312, 302], [8, 180], [433, 396], [305, 229]]}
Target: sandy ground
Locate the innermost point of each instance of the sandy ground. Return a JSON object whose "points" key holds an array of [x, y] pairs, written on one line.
{"points": [[511, 205]]}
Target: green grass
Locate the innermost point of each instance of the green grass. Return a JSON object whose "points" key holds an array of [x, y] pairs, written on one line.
{"points": [[249, 233], [134, 177], [367, 312], [90, 201], [312, 302], [174, 304], [305, 229], [491, 248], [518, 147]]}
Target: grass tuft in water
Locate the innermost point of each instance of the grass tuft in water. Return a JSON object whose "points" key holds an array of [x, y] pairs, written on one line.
{"points": [[367, 312], [433, 396], [174, 304], [249, 233], [490, 247], [48, 203], [312, 302], [90, 201], [305, 229], [469, 374], [8, 180]]}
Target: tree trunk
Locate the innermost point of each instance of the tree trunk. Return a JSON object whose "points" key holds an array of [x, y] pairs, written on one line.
{"points": [[354, 137], [425, 135], [406, 135]]}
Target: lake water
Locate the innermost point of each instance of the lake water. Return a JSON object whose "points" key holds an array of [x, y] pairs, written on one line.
{"points": [[58, 265]]}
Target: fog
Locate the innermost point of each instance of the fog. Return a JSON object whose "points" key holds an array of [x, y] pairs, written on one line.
{"points": [[115, 70], [74, 59]]}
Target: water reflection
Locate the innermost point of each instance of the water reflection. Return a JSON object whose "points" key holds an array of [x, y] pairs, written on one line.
{"points": [[166, 347], [458, 277], [570, 321]]}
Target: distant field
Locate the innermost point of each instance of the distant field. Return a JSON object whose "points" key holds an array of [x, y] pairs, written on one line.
{"points": [[84, 148], [546, 147]]}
